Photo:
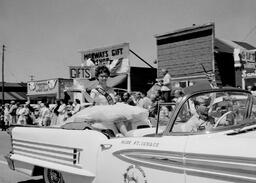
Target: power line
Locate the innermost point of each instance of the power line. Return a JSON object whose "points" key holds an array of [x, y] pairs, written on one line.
{"points": [[141, 58], [251, 31]]}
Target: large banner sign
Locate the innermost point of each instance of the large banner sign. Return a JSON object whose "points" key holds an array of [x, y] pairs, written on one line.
{"points": [[42, 87], [116, 58], [45, 87]]}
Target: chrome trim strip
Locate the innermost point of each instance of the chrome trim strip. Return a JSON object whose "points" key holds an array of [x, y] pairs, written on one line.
{"points": [[237, 159], [48, 152], [41, 149], [233, 169], [18, 150], [152, 159], [45, 144]]}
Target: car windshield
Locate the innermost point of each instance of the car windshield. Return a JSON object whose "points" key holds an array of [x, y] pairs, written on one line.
{"points": [[212, 112], [162, 115]]}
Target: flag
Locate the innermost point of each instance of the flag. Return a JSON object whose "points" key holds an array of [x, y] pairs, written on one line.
{"points": [[89, 62], [119, 66]]}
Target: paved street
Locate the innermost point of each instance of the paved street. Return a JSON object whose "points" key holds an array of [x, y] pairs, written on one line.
{"points": [[4, 144], [7, 175]]}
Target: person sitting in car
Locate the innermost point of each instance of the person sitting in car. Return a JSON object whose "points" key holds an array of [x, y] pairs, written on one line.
{"points": [[227, 113], [200, 120]]}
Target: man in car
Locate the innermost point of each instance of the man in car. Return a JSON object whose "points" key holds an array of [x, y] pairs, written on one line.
{"points": [[200, 120], [227, 112]]}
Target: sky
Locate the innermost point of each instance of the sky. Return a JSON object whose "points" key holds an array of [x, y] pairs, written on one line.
{"points": [[44, 37]]}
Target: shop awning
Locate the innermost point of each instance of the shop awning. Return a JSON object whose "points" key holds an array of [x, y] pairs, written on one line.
{"points": [[13, 96], [42, 95]]}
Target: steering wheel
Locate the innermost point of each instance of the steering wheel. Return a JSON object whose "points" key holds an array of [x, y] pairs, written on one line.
{"points": [[221, 118]]}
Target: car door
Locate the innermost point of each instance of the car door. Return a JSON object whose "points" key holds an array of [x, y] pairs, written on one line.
{"points": [[143, 159], [220, 153], [220, 158]]}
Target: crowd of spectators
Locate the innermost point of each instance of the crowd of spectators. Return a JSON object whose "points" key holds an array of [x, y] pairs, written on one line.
{"points": [[41, 114], [45, 114]]}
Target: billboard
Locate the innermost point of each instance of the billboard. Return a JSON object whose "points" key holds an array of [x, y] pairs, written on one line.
{"points": [[115, 57]]}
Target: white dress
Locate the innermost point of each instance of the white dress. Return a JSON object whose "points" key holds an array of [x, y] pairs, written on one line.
{"points": [[46, 116], [62, 114], [22, 116]]}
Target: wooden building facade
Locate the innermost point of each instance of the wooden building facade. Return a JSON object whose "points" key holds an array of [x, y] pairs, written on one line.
{"points": [[187, 53], [193, 54]]}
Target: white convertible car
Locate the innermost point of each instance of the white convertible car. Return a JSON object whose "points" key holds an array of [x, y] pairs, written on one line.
{"points": [[209, 136]]}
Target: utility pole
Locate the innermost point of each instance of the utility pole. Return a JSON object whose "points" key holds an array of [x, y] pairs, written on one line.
{"points": [[3, 74]]}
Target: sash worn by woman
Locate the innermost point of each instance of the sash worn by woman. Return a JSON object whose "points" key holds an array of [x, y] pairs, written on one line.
{"points": [[104, 95]]}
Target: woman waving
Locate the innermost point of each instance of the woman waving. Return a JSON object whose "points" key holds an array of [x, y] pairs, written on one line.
{"points": [[102, 94]]}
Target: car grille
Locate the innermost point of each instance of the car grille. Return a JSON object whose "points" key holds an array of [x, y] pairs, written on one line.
{"points": [[47, 152]]}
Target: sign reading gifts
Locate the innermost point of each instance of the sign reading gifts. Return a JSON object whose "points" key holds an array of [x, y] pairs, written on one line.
{"points": [[115, 57], [81, 72]]}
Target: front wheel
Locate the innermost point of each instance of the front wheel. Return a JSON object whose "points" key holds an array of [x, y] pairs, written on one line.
{"points": [[52, 176]]}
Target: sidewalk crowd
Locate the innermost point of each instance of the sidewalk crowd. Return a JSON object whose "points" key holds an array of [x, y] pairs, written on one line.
{"points": [[45, 114]]}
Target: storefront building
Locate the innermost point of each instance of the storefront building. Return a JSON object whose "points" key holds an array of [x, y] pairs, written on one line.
{"points": [[47, 90], [239, 62], [193, 54], [187, 53], [245, 64]]}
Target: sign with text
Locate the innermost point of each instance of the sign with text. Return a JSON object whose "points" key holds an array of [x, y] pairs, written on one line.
{"points": [[246, 56], [50, 86], [116, 58], [45, 86], [81, 72]]}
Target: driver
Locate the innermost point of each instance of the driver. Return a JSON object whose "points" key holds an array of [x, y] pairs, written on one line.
{"points": [[226, 108], [200, 119]]}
